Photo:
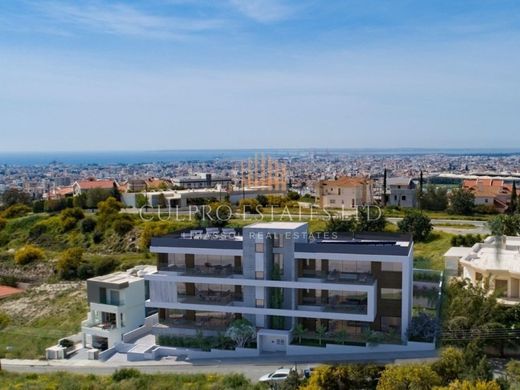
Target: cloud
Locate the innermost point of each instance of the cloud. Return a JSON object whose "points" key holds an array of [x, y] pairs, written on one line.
{"points": [[122, 19], [264, 11]]}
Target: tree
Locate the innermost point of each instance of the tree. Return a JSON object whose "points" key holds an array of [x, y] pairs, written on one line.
{"points": [[434, 198], [341, 336], [108, 210], [69, 217], [115, 193], [513, 203], [96, 195], [321, 330], [293, 195], [262, 199], [450, 366], [299, 332], [3, 223], [14, 196], [4, 320], [28, 254], [141, 200], [88, 225], [383, 193], [462, 202], [416, 223], [161, 201], [69, 262], [123, 224], [345, 376], [241, 331], [468, 385], [16, 211], [423, 327], [504, 225], [409, 376], [513, 372]]}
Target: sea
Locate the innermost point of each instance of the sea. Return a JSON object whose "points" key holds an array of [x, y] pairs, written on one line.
{"points": [[161, 156]]}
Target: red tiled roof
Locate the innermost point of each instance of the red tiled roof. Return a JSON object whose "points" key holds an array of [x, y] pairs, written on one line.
{"points": [[6, 291], [347, 181], [90, 184]]}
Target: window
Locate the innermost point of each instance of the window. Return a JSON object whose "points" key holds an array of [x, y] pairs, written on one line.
{"points": [[278, 240], [259, 274], [391, 293], [278, 261], [339, 191], [259, 247], [403, 197], [478, 276], [259, 303], [332, 201]]}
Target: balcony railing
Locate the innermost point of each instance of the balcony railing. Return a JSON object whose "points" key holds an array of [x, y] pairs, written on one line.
{"points": [[206, 270], [338, 277], [205, 298], [336, 305]]}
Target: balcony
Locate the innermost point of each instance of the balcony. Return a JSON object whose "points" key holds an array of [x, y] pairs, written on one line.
{"points": [[210, 298], [208, 270], [338, 277], [335, 304]]}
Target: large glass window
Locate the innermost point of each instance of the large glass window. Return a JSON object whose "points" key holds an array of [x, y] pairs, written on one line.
{"points": [[278, 239], [395, 267], [278, 262], [208, 293]]}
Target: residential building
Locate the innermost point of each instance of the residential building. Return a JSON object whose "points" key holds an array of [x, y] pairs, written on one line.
{"points": [[201, 180], [401, 192], [116, 306], [490, 192], [82, 186], [495, 265], [345, 192], [277, 275]]}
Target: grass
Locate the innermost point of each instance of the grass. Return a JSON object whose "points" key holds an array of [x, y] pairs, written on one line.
{"points": [[395, 213], [430, 254], [61, 316], [125, 379]]}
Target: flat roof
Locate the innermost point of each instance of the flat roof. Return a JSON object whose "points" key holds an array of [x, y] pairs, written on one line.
{"points": [[117, 278], [458, 251], [277, 225]]}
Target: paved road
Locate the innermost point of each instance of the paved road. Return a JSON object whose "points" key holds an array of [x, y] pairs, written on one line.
{"points": [[252, 368]]}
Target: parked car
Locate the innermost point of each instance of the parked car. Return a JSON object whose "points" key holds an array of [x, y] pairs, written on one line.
{"points": [[308, 372], [277, 376]]}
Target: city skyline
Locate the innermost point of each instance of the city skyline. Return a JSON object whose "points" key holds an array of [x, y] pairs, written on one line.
{"points": [[182, 74]]}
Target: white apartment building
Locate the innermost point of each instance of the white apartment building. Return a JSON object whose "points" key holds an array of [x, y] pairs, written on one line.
{"points": [[276, 275]]}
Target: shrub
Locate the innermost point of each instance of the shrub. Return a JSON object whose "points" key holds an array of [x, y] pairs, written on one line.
{"points": [[37, 230], [69, 218], [104, 265], [85, 271], [69, 262], [8, 280], [88, 225], [3, 223], [4, 320], [53, 205], [16, 211], [123, 225], [125, 373], [28, 254], [97, 237], [66, 343], [416, 223], [250, 206], [38, 206]]}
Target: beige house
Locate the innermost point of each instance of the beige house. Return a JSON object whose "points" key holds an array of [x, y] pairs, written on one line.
{"points": [[345, 192], [495, 265]]}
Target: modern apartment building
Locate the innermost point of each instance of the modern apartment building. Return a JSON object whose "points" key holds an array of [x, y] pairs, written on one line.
{"points": [[345, 192], [116, 306], [277, 275]]}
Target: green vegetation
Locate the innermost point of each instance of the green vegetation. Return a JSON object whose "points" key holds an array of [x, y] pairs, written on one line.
{"points": [[430, 254], [125, 379], [28, 254], [416, 223], [466, 240]]}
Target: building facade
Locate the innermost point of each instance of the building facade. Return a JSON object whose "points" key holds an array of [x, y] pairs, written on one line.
{"points": [[280, 278], [401, 192], [201, 180], [116, 306], [345, 192]]}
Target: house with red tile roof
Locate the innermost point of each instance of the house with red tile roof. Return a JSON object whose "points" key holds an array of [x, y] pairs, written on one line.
{"points": [[82, 186], [490, 192], [344, 192]]}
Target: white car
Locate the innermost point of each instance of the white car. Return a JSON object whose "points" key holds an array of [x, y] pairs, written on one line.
{"points": [[279, 375]]}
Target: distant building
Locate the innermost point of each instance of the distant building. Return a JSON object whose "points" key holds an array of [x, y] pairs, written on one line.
{"points": [[492, 264], [346, 192], [201, 180], [82, 186], [490, 192], [116, 306], [401, 192]]}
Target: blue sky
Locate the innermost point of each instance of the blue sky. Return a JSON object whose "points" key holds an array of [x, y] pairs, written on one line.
{"points": [[185, 74]]}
